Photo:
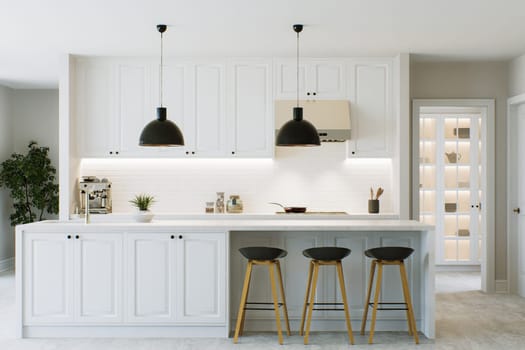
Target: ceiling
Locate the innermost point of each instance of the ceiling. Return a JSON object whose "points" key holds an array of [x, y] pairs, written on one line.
{"points": [[33, 33]]}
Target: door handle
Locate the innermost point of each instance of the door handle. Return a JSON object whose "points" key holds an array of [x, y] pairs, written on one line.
{"points": [[516, 210]]}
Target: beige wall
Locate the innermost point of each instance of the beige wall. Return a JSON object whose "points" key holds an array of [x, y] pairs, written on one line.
{"points": [[517, 76], [474, 80]]}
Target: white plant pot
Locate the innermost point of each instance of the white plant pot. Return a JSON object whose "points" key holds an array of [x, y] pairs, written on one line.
{"points": [[143, 216]]}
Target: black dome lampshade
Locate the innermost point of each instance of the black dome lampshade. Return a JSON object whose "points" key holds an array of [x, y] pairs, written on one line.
{"points": [[161, 132], [298, 132]]}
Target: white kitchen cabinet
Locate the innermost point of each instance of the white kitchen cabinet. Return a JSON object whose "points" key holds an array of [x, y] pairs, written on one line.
{"points": [[151, 277], [318, 79], [48, 278], [72, 278], [250, 109], [176, 278], [207, 136], [370, 93], [95, 109], [201, 276]]}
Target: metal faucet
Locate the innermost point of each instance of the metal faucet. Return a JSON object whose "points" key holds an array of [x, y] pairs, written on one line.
{"points": [[87, 218]]}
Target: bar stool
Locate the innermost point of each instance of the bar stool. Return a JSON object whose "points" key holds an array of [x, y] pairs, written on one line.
{"points": [[263, 256], [388, 256], [324, 256]]}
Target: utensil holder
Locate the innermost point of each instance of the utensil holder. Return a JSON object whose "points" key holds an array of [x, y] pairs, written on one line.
{"points": [[373, 206]]}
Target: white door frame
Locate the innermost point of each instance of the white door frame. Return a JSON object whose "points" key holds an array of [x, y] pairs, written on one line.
{"points": [[488, 261], [512, 200]]}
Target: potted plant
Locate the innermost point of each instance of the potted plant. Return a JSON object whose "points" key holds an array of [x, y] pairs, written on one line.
{"points": [[143, 202], [30, 180]]}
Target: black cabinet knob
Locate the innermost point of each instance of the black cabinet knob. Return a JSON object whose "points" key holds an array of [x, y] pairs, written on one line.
{"points": [[353, 152], [180, 236], [68, 236], [116, 152], [110, 152], [307, 94], [172, 237], [193, 152], [315, 93], [187, 152], [77, 237], [233, 152]]}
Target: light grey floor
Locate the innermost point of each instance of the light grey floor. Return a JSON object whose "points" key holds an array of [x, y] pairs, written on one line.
{"points": [[466, 319]]}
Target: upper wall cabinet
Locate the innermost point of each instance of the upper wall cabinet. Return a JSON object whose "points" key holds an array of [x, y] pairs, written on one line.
{"points": [[250, 109], [370, 91], [118, 97], [318, 79]]}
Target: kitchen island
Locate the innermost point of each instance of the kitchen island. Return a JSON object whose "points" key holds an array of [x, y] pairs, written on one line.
{"points": [[171, 278]]}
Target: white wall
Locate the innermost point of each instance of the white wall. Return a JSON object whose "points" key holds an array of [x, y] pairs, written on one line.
{"points": [[320, 178], [35, 117], [6, 148], [474, 80], [517, 76]]}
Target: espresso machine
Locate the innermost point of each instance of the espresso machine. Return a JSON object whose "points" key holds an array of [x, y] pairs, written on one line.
{"points": [[99, 195]]}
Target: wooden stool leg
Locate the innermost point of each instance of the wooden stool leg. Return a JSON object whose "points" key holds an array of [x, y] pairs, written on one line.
{"points": [[368, 294], [241, 330], [345, 301], [308, 287], [275, 302], [312, 300], [408, 301], [376, 300], [244, 297], [285, 308]]}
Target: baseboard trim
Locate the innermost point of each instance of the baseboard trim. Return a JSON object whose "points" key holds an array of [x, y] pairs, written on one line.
{"points": [[502, 286], [458, 268], [7, 264]]}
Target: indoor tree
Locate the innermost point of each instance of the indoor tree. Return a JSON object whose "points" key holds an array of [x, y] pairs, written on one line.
{"points": [[30, 178]]}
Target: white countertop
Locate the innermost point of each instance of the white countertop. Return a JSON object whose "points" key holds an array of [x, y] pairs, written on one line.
{"points": [[228, 224]]}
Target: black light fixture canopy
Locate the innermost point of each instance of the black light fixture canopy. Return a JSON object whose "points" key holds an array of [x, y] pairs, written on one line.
{"points": [[298, 132], [161, 132]]}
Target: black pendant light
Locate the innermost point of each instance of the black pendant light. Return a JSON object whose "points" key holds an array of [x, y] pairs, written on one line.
{"points": [[161, 132], [298, 132]]}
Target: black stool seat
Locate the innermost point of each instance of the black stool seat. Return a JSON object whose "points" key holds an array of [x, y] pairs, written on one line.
{"points": [[262, 253], [389, 253], [326, 253]]}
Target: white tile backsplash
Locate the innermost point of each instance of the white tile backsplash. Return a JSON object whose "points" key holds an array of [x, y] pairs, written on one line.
{"points": [[319, 178]]}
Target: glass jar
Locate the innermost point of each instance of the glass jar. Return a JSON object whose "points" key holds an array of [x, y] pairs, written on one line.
{"points": [[210, 208], [219, 203], [234, 204]]}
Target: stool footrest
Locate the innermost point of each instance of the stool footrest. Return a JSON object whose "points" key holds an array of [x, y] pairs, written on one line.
{"points": [[389, 308], [327, 309], [261, 303]]}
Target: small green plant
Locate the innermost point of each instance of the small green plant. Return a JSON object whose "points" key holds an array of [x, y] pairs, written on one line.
{"points": [[30, 179], [142, 201]]}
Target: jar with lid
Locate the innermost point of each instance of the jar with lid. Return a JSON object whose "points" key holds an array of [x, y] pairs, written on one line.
{"points": [[234, 204]]}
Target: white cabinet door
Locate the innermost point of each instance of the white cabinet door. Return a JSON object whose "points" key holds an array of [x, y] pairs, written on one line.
{"points": [[318, 79], [250, 110], [201, 276], [208, 137], [98, 277], [95, 111], [151, 277], [371, 112], [132, 105], [48, 278]]}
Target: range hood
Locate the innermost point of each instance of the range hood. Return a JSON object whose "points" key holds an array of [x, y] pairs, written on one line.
{"points": [[330, 117]]}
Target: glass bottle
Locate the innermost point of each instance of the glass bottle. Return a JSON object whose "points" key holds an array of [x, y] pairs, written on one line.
{"points": [[234, 204], [219, 203]]}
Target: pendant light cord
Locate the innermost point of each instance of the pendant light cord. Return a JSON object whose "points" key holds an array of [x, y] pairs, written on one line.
{"points": [[161, 67], [297, 69]]}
